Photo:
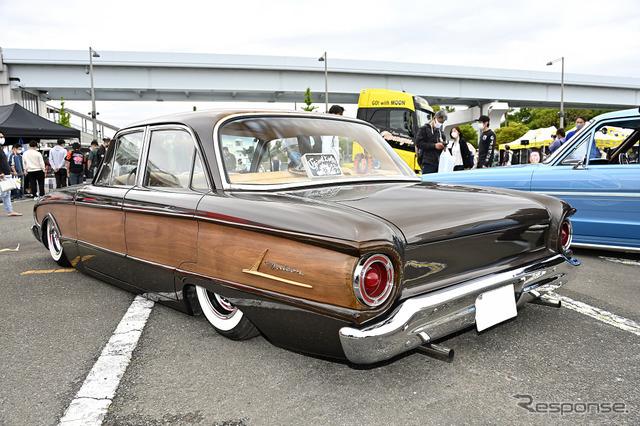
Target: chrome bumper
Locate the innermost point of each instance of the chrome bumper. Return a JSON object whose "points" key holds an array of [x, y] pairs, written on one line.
{"points": [[35, 229], [422, 319]]}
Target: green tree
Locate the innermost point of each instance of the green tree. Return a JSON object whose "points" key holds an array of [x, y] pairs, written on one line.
{"points": [[447, 109], [510, 133], [535, 118], [308, 101], [65, 117], [469, 134], [544, 117], [523, 115]]}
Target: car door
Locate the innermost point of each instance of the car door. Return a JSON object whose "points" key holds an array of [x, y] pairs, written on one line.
{"points": [[605, 191], [100, 214], [160, 227]]}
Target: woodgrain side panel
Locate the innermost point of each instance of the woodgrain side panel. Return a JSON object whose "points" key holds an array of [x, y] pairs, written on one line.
{"points": [[63, 214], [224, 252], [165, 240], [102, 227]]}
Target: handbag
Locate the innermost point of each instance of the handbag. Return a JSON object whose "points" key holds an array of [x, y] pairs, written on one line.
{"points": [[446, 162], [9, 184]]}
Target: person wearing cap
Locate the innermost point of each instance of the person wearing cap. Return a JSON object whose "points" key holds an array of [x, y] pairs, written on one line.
{"points": [[487, 143], [430, 143]]}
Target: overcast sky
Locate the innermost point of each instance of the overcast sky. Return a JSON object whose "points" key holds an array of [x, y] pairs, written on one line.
{"points": [[595, 37]]}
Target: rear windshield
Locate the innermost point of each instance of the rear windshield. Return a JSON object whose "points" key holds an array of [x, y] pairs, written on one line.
{"points": [[302, 150]]}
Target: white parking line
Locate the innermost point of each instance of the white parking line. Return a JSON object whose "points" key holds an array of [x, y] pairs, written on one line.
{"points": [[623, 261], [94, 397], [599, 314]]}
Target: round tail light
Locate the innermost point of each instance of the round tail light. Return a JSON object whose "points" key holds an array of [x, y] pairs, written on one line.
{"points": [[373, 280], [566, 235]]}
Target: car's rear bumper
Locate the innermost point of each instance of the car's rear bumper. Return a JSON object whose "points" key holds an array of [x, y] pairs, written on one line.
{"points": [[37, 232], [425, 318]]}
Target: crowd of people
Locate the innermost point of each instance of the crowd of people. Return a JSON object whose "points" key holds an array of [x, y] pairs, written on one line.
{"points": [[431, 142], [27, 166]]}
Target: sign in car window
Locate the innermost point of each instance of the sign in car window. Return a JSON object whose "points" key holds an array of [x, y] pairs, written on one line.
{"points": [[321, 165]]}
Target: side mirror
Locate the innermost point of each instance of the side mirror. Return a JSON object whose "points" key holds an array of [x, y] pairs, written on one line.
{"points": [[580, 166]]}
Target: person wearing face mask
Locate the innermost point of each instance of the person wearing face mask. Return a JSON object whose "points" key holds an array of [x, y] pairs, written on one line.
{"points": [[17, 170], [487, 143], [5, 171], [430, 143], [579, 125], [459, 150]]}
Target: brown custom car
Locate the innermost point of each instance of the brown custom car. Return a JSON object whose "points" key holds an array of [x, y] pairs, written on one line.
{"points": [[307, 229]]}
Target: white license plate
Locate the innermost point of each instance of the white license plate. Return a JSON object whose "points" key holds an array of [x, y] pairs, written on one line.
{"points": [[495, 306]]}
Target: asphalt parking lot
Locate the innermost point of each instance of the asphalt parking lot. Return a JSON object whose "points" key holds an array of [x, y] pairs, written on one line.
{"points": [[558, 366]]}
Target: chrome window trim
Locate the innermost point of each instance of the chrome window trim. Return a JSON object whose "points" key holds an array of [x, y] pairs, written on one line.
{"points": [[588, 194], [587, 134], [117, 136], [565, 148], [145, 154], [228, 186], [99, 206]]}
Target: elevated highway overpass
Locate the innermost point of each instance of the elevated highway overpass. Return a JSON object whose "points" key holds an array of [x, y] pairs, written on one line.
{"points": [[157, 76]]}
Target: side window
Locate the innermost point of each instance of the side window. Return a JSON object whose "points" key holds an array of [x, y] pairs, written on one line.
{"points": [[396, 121], [613, 142], [379, 119], [123, 165], [199, 178], [169, 160], [578, 154]]}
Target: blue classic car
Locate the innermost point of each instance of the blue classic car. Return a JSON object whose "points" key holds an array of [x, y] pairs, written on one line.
{"points": [[596, 171]]}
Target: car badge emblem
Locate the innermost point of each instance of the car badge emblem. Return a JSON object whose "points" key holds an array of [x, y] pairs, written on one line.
{"points": [[273, 266]]}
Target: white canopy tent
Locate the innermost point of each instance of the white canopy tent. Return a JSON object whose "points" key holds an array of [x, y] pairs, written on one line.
{"points": [[536, 138]]}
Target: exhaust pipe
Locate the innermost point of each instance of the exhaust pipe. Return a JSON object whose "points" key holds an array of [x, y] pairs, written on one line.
{"points": [[435, 351]]}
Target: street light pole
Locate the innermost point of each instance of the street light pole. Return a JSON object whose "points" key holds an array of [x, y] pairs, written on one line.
{"points": [[323, 58], [561, 90], [93, 54]]}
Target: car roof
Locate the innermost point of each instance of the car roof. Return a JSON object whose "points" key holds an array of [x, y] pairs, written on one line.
{"points": [[618, 114], [198, 118]]}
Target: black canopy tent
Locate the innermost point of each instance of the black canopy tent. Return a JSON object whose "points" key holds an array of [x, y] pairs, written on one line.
{"points": [[19, 123]]}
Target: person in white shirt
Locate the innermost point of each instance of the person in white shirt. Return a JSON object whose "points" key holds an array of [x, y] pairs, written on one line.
{"points": [[57, 161], [34, 166], [331, 144], [459, 150]]}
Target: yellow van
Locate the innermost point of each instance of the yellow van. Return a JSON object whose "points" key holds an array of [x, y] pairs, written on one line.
{"points": [[398, 116]]}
